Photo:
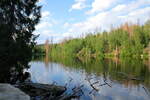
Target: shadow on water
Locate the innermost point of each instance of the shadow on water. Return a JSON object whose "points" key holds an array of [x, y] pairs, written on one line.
{"points": [[14, 75], [94, 79]]}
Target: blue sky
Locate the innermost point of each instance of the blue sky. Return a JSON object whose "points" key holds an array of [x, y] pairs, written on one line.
{"points": [[62, 19]]}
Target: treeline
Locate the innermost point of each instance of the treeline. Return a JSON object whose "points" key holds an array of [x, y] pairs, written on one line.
{"points": [[129, 40]]}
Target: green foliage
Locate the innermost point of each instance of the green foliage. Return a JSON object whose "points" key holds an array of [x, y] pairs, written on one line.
{"points": [[17, 23], [117, 42], [119, 70], [116, 38], [131, 49]]}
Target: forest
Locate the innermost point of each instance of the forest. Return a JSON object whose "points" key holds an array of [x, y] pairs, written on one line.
{"points": [[75, 68], [128, 40]]}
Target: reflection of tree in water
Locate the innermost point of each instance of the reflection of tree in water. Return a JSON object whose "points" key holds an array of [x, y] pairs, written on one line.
{"points": [[46, 52], [46, 60], [13, 75], [127, 72]]}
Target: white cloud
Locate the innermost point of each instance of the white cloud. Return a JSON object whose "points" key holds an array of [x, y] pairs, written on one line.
{"points": [[137, 3], [105, 13], [141, 15], [66, 25], [67, 34], [46, 14], [100, 5], [43, 2], [44, 28], [49, 34], [43, 25], [133, 5], [91, 23], [119, 7], [121, 13], [78, 5]]}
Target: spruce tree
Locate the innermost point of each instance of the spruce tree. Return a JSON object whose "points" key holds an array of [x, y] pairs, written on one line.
{"points": [[17, 23]]}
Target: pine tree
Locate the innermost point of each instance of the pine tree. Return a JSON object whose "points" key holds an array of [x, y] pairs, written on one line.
{"points": [[17, 23]]}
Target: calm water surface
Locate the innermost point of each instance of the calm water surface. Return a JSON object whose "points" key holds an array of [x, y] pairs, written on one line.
{"points": [[96, 80]]}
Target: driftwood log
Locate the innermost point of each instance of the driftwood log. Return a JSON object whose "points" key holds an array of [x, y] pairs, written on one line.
{"points": [[41, 91]]}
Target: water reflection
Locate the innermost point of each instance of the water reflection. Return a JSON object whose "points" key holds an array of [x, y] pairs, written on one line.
{"points": [[96, 79], [14, 75]]}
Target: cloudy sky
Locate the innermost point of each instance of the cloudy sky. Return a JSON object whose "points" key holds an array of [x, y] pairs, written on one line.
{"points": [[73, 18]]}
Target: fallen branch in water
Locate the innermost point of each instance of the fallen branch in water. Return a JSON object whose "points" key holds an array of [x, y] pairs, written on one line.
{"points": [[107, 83], [147, 92], [75, 94], [95, 83], [92, 84]]}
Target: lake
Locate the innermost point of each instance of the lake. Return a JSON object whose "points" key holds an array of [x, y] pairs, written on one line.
{"points": [[102, 79]]}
